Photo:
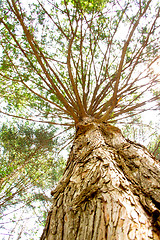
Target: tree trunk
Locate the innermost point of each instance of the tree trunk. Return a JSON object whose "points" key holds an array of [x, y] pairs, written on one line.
{"points": [[110, 189]]}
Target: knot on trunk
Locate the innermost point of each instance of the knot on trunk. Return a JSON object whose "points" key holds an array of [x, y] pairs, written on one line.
{"points": [[86, 124]]}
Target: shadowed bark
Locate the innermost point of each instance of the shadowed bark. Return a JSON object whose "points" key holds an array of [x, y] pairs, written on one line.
{"points": [[67, 60], [110, 189]]}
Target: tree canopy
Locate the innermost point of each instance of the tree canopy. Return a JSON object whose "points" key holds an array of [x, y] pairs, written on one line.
{"points": [[29, 168], [63, 61]]}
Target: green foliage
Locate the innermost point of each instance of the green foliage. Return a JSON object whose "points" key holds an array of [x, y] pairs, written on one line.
{"points": [[88, 6], [37, 78], [143, 133], [29, 169], [28, 159], [154, 147], [60, 62]]}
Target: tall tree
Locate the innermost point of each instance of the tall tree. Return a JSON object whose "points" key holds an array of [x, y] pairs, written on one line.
{"points": [[88, 65], [29, 168]]}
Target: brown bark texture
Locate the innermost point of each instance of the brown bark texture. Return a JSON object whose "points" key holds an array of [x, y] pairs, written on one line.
{"points": [[110, 189]]}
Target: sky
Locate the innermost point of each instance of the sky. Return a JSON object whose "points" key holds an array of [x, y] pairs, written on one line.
{"points": [[153, 116]]}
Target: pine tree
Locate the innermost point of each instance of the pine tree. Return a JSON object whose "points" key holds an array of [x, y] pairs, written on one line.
{"points": [[88, 65]]}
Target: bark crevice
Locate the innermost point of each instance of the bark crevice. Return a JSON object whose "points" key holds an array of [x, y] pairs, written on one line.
{"points": [[110, 189]]}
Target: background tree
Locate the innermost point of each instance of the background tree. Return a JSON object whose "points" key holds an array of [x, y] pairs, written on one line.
{"points": [[87, 64], [29, 168], [146, 133]]}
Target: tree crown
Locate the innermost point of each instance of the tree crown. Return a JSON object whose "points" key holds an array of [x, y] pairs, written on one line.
{"points": [[62, 62]]}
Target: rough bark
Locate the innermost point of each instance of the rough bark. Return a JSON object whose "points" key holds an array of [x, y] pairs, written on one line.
{"points": [[110, 189]]}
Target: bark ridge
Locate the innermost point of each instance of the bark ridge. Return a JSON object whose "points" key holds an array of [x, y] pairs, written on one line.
{"points": [[110, 189]]}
